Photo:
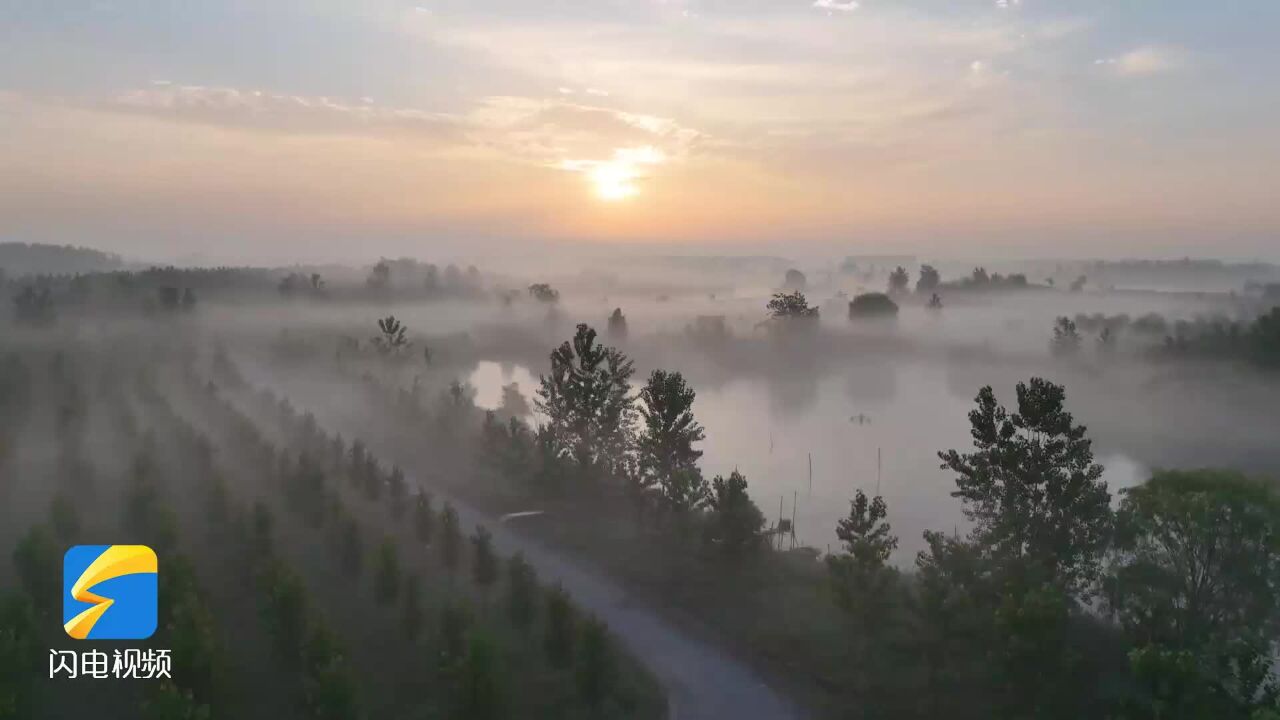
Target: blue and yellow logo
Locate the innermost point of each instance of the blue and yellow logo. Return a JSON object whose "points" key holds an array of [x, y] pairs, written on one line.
{"points": [[109, 592]]}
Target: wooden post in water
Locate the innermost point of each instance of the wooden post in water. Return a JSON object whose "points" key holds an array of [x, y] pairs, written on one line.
{"points": [[795, 494], [778, 527], [877, 472]]}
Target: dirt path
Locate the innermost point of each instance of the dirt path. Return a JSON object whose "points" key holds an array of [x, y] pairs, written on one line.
{"points": [[702, 681]]}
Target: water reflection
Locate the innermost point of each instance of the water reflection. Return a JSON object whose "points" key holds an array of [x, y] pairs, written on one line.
{"points": [[806, 445]]}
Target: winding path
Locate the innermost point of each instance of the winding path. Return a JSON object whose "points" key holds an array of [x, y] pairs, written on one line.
{"points": [[702, 682]]}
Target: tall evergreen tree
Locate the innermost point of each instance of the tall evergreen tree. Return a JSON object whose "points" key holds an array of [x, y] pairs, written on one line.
{"points": [[588, 405], [1032, 489], [667, 458]]}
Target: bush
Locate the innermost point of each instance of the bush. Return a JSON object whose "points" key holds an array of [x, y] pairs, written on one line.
{"points": [[872, 305]]}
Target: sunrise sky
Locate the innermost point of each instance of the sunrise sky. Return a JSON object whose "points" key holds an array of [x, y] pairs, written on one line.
{"points": [[272, 130]]}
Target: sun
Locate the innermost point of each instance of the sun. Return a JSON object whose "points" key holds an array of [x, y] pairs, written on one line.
{"points": [[614, 181]]}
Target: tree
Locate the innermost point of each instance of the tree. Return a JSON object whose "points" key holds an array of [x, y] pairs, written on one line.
{"points": [[65, 518], [450, 539], [350, 548], [397, 491], [544, 293], [587, 401], [862, 581], [455, 619], [597, 663], [1032, 489], [19, 655], [391, 342], [1106, 341], [411, 619], [929, 279], [789, 306], [380, 276], [1066, 340], [794, 281], [735, 522], [667, 457], [1194, 574], [617, 326], [522, 592], [484, 568], [558, 641], [899, 280], [872, 305], [34, 307], [36, 559], [423, 517], [480, 692], [949, 606], [386, 579]]}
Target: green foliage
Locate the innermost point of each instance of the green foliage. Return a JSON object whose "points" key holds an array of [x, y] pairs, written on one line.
{"points": [[1193, 581], [450, 538], [597, 673], [860, 576], [424, 517], [19, 656], [484, 567], [397, 492], [64, 518], [586, 399], [412, 616], [558, 640], [667, 458], [481, 694], [522, 592], [284, 609], [455, 619], [189, 630], [38, 561], [1032, 489], [350, 548], [168, 702], [734, 522], [1197, 559], [386, 578]]}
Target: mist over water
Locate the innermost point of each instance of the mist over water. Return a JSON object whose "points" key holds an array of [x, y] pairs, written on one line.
{"points": [[775, 433]]}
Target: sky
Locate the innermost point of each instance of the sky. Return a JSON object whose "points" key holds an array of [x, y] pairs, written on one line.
{"points": [[252, 131]]}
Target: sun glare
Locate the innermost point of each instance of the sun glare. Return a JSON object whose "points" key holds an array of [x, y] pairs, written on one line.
{"points": [[614, 181]]}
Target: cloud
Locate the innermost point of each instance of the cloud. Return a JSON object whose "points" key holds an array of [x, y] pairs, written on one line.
{"points": [[259, 109], [836, 5], [553, 132], [1145, 61]]}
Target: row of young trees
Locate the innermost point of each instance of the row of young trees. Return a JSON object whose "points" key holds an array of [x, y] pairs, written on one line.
{"points": [[472, 655], [600, 435]]}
